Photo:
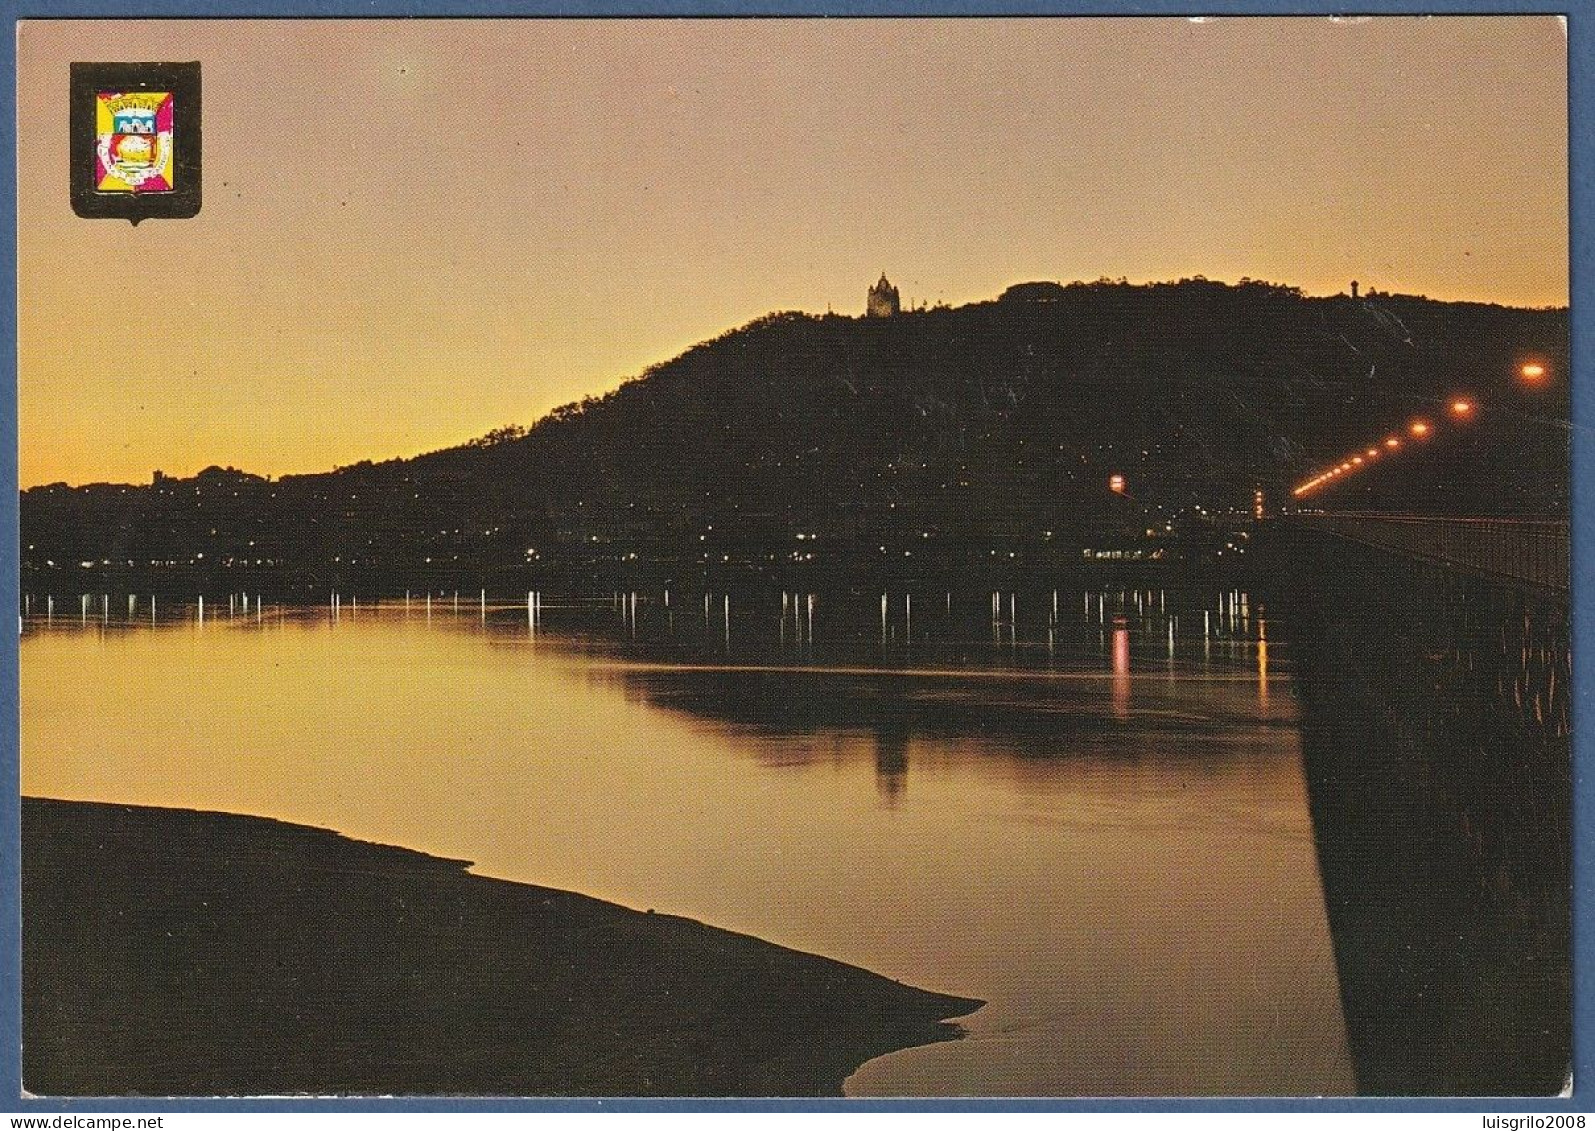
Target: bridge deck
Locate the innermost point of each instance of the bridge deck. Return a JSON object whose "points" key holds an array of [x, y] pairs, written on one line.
{"points": [[1532, 552]]}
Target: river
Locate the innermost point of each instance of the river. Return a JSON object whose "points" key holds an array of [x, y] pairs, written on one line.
{"points": [[1086, 808]]}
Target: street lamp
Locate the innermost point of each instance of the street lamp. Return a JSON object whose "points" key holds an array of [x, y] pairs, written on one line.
{"points": [[1532, 373], [1419, 428], [1462, 408]]}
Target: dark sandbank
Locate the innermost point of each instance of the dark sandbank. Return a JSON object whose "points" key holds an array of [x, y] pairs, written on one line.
{"points": [[172, 952]]}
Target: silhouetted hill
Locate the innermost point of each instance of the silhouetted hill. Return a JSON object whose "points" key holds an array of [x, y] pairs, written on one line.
{"points": [[966, 436]]}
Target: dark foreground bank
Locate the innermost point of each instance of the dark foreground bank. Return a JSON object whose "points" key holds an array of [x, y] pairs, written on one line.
{"points": [[171, 952]]}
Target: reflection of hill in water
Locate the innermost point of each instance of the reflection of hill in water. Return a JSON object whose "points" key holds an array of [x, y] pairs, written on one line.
{"points": [[1178, 672], [1024, 719]]}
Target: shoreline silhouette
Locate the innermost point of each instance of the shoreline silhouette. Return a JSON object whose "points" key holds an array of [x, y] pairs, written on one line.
{"points": [[177, 952]]}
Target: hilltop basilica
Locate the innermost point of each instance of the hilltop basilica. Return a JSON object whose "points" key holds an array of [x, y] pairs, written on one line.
{"points": [[882, 301]]}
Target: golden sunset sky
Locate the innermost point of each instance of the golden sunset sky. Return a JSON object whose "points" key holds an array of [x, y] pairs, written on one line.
{"points": [[416, 231]]}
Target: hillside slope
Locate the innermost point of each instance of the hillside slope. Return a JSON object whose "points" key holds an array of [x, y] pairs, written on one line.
{"points": [[980, 430]]}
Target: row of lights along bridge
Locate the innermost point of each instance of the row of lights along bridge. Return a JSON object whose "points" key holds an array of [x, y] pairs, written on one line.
{"points": [[1461, 410]]}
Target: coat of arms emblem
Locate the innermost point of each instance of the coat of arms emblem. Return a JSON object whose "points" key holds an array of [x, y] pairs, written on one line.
{"points": [[135, 133], [133, 141]]}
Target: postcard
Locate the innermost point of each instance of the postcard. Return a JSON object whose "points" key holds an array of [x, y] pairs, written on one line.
{"points": [[885, 557]]}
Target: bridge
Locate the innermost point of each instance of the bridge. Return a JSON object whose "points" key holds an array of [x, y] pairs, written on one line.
{"points": [[1520, 552], [1431, 661]]}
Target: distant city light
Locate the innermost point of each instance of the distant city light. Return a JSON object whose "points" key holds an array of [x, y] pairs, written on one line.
{"points": [[1532, 371], [1392, 443], [1419, 428], [1461, 407], [1372, 452]]}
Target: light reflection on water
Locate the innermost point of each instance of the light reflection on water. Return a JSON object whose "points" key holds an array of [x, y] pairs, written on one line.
{"points": [[1094, 819]]}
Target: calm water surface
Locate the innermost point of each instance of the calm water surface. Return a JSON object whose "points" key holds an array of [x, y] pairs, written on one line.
{"points": [[1085, 809]]}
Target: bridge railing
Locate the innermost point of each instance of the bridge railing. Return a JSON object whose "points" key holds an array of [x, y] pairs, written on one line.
{"points": [[1533, 552]]}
